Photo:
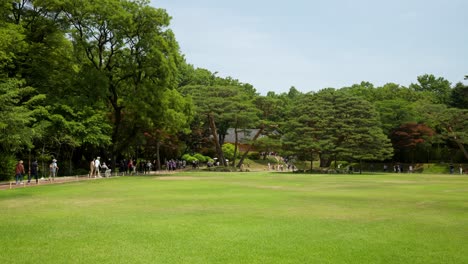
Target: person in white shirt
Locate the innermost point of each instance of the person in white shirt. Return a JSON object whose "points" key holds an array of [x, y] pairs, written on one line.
{"points": [[53, 169], [107, 170], [97, 166]]}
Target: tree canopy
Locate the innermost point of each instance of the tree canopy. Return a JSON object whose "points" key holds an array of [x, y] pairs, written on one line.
{"points": [[80, 79]]}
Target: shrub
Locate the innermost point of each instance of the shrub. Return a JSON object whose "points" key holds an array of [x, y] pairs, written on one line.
{"points": [[200, 157], [81, 171], [254, 155], [7, 166], [221, 169], [228, 151], [186, 157]]}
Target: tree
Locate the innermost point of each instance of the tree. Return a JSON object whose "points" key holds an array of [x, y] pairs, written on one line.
{"points": [[16, 124], [175, 118], [366, 90], [438, 88], [245, 116], [410, 135], [451, 123], [393, 113], [334, 125], [223, 107], [304, 132], [459, 96], [129, 49]]}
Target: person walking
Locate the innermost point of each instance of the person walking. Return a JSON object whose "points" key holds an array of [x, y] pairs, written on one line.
{"points": [[97, 167], [33, 171], [53, 169], [91, 169], [130, 166], [19, 171]]}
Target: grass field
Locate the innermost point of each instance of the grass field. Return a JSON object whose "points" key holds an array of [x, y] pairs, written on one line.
{"points": [[197, 217]]}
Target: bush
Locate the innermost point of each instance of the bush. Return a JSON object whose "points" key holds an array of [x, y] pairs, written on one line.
{"points": [[80, 172], [200, 157], [189, 158], [186, 157], [228, 151], [254, 155], [221, 169], [7, 166]]}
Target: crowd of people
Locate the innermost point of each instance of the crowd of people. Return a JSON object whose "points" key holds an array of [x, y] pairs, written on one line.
{"points": [[95, 168], [133, 167], [33, 171]]}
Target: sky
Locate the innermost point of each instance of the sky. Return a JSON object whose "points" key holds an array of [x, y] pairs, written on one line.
{"points": [[312, 45]]}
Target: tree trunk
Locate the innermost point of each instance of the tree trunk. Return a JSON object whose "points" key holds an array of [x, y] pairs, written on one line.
{"points": [[262, 127], [222, 137], [42, 161], [457, 141], [71, 161], [158, 157], [219, 150], [324, 161], [311, 161], [235, 147], [113, 99]]}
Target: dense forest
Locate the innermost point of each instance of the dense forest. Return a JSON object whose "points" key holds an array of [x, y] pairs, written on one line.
{"points": [[85, 78]]}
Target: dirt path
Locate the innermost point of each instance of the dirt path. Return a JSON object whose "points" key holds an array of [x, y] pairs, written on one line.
{"points": [[45, 181], [58, 180]]}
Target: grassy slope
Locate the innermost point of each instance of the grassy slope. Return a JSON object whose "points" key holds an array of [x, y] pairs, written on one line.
{"points": [[239, 218]]}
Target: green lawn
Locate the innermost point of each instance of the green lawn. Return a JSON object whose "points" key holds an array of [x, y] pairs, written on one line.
{"points": [[239, 218]]}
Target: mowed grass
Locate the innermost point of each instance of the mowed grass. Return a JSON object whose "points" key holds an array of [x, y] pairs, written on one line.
{"points": [[207, 217]]}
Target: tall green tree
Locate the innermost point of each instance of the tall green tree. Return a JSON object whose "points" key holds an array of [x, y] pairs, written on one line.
{"points": [[17, 128], [439, 88], [175, 119], [222, 107], [395, 112], [451, 123], [67, 115], [459, 96], [132, 54], [335, 126]]}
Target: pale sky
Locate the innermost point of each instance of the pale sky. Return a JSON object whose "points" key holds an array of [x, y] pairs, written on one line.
{"points": [[311, 45]]}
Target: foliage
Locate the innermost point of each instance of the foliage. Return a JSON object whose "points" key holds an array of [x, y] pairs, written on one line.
{"points": [[7, 166], [128, 46], [254, 155], [410, 135], [459, 96], [196, 157], [438, 88], [451, 123], [200, 157], [393, 113], [189, 158], [17, 119], [228, 150], [335, 125], [85, 78]]}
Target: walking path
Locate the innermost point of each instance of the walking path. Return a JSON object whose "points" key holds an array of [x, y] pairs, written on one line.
{"points": [[65, 179], [25, 184]]}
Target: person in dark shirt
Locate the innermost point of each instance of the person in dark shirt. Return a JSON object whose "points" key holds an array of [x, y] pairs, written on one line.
{"points": [[33, 172]]}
